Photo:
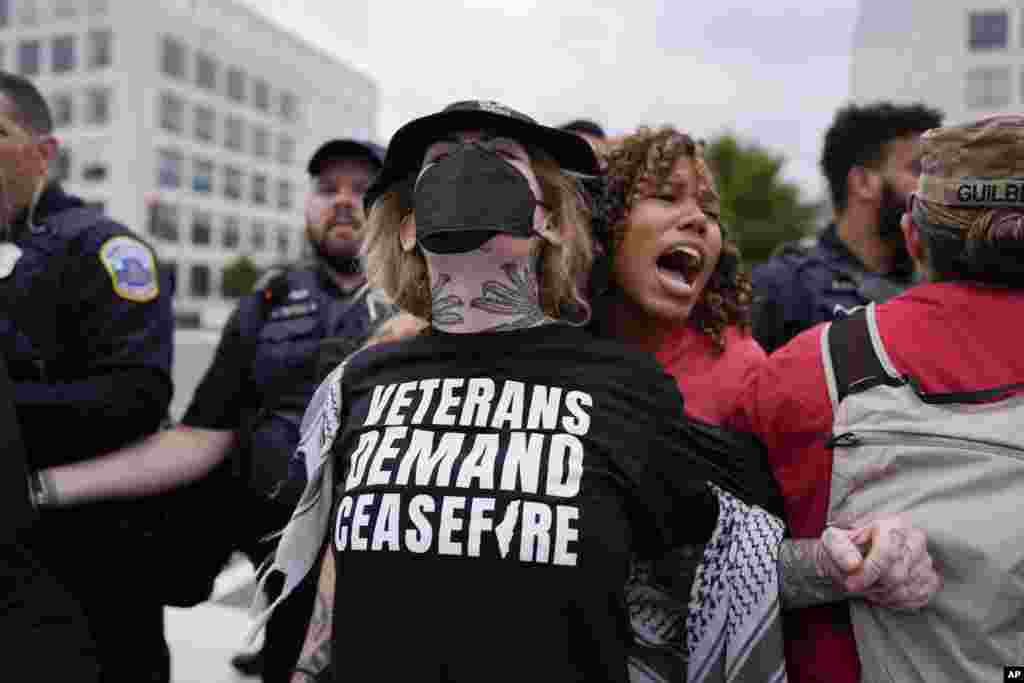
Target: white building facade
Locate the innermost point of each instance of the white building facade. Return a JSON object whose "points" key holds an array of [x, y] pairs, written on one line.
{"points": [[965, 57], [191, 121]]}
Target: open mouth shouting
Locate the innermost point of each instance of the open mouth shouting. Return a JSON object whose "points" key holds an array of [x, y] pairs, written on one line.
{"points": [[680, 266]]}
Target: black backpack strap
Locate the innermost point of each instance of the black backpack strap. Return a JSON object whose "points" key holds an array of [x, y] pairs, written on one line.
{"points": [[852, 364]]}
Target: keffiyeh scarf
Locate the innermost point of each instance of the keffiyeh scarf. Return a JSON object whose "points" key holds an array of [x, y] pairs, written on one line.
{"points": [[303, 536], [727, 629]]}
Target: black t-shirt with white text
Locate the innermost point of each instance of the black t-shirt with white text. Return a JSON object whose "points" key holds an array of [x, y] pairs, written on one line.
{"points": [[490, 492]]}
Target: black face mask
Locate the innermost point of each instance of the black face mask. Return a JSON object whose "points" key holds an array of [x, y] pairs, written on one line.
{"points": [[467, 198]]}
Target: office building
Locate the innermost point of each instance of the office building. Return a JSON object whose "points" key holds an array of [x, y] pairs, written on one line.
{"points": [[965, 57], [190, 121]]}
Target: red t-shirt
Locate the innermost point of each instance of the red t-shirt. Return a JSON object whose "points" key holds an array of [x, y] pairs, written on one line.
{"points": [[711, 382], [951, 337]]}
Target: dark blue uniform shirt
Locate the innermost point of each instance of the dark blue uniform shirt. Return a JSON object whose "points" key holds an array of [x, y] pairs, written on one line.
{"points": [[265, 369], [88, 332], [803, 286]]}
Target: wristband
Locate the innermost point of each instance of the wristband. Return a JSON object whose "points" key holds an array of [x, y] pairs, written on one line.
{"points": [[41, 490]]}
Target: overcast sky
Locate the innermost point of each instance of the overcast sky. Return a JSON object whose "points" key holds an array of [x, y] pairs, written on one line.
{"points": [[773, 71]]}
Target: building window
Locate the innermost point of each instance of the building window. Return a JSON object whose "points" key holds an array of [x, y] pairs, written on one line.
{"points": [[97, 106], [205, 124], [199, 281], [284, 242], [202, 176], [62, 105], [202, 228], [172, 57], [234, 132], [289, 107], [28, 13], [260, 142], [232, 232], [62, 165], [987, 30], [101, 49], [98, 8], [206, 71], [988, 87], [232, 183], [261, 94], [284, 195], [236, 84], [5, 13], [168, 168], [64, 9], [28, 57], [63, 55], [259, 189], [163, 221], [285, 150], [259, 236], [172, 112], [95, 172]]}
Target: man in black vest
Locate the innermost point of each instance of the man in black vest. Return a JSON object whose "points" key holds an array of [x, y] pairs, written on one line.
{"points": [[86, 329]]}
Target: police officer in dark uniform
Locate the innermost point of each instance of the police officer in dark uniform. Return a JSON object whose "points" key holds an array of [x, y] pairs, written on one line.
{"points": [[871, 164], [265, 368], [244, 416], [87, 334], [268, 367]]}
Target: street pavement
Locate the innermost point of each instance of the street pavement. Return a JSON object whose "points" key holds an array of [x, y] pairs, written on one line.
{"points": [[193, 351], [203, 639]]}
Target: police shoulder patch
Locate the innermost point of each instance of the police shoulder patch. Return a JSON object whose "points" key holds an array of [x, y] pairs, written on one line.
{"points": [[132, 268]]}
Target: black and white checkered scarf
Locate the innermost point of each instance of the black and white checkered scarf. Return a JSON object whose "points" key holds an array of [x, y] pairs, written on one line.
{"points": [[721, 622]]}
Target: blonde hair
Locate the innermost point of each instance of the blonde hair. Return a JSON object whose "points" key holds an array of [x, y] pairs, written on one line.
{"points": [[565, 254]]}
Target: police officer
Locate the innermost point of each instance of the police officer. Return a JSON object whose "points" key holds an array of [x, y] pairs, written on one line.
{"points": [[87, 333], [265, 370], [871, 164]]}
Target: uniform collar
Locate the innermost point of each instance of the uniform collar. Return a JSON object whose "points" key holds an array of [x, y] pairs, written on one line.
{"points": [[54, 200], [830, 241], [326, 280]]}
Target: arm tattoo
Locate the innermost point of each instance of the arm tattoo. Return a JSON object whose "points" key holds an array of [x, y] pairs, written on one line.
{"points": [[801, 582], [316, 652], [445, 310], [521, 298]]}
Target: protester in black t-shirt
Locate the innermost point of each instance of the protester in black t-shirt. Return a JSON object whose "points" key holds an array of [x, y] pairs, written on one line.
{"points": [[490, 479], [387, 459]]}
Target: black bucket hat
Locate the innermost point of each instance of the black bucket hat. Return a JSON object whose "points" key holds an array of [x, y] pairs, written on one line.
{"points": [[408, 145], [345, 148]]}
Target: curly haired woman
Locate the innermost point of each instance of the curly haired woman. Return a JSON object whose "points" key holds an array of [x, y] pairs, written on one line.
{"points": [[670, 282], [679, 291]]}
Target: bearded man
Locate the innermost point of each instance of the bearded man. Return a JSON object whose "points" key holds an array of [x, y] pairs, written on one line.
{"points": [[871, 162]]}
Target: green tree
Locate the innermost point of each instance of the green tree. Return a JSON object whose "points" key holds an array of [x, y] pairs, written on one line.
{"points": [[240, 277], [760, 209]]}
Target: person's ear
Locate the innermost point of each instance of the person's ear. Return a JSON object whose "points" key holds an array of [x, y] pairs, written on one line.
{"points": [[553, 234], [912, 238], [407, 232], [48, 146]]}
